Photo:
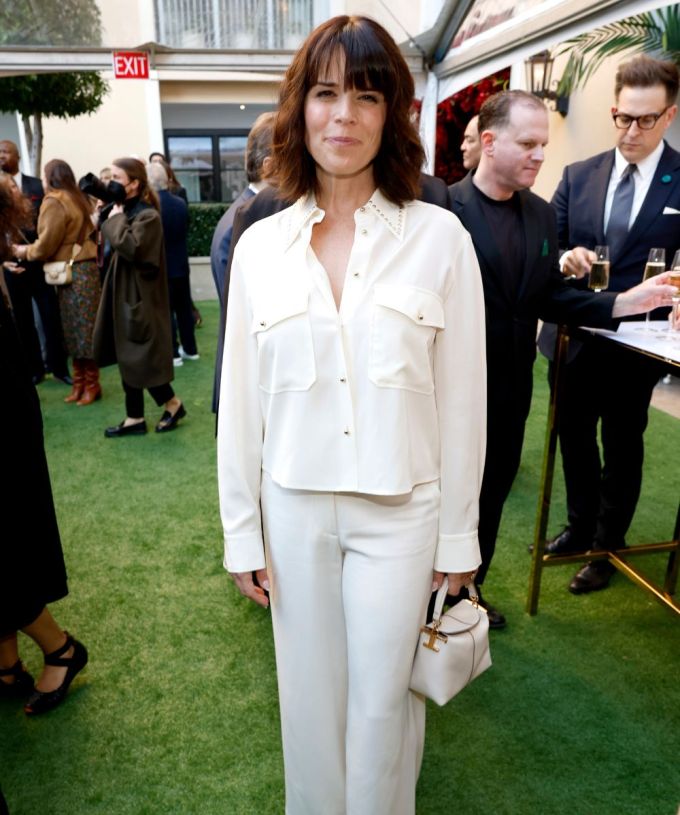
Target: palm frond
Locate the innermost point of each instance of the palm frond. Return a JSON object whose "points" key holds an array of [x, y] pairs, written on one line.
{"points": [[656, 32]]}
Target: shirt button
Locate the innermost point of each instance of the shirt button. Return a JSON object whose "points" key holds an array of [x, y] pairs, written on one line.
{"points": [[362, 209], [364, 231], [355, 274], [343, 379], [262, 323], [346, 431], [420, 316]]}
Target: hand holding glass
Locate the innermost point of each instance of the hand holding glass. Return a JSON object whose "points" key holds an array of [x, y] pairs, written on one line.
{"points": [[599, 271]]}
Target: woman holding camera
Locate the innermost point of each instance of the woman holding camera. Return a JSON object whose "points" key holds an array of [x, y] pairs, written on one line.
{"points": [[352, 420], [133, 322], [64, 222]]}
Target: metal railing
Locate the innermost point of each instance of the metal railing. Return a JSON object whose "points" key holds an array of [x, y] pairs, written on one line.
{"points": [[234, 24]]}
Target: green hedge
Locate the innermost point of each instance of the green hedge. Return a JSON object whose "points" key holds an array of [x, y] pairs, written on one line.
{"points": [[203, 219]]}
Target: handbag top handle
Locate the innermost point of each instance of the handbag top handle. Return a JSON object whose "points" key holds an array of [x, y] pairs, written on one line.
{"points": [[441, 597]]}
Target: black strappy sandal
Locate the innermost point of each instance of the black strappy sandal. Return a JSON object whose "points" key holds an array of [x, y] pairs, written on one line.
{"points": [[23, 682], [42, 701]]}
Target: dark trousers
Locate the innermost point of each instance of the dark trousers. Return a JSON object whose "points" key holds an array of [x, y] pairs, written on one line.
{"points": [[610, 385], [23, 288], [134, 398], [505, 436], [182, 315]]}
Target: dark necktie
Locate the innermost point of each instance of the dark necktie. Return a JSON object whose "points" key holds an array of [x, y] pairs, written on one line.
{"points": [[617, 228]]}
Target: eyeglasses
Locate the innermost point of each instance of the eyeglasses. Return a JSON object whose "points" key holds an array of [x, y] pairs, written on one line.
{"points": [[647, 122]]}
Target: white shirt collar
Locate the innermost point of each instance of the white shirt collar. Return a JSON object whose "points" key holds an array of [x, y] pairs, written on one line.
{"points": [[17, 179], [388, 213], [646, 167]]}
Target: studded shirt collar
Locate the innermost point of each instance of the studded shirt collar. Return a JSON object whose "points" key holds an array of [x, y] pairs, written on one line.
{"points": [[306, 211]]}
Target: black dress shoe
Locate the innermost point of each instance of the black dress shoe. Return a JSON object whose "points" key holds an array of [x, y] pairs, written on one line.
{"points": [[169, 420], [496, 618], [595, 575], [42, 701], [65, 378], [22, 684], [137, 429], [566, 543]]}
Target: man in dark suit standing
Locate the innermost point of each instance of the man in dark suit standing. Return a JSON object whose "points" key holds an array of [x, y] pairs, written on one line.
{"points": [[175, 220], [258, 148], [629, 199], [30, 284], [515, 237]]}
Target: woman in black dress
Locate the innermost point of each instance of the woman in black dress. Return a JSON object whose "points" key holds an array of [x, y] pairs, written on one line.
{"points": [[32, 571]]}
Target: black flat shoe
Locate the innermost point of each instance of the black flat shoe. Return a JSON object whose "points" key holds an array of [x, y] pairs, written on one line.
{"points": [[169, 420], [42, 701], [137, 429], [22, 685]]}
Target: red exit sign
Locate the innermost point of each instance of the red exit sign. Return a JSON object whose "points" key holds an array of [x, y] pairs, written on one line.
{"points": [[131, 64]]}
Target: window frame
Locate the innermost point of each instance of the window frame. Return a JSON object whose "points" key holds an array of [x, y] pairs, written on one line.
{"points": [[215, 134]]}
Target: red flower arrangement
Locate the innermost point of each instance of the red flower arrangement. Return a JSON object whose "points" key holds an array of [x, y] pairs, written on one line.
{"points": [[453, 114]]}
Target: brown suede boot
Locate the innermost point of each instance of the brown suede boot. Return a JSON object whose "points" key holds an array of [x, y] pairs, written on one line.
{"points": [[78, 381], [92, 390]]}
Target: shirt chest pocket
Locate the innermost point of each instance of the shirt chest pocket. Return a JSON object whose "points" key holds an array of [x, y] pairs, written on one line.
{"points": [[405, 322], [285, 351]]}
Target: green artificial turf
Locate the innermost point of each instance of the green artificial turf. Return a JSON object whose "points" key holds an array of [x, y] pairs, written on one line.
{"points": [[177, 711]]}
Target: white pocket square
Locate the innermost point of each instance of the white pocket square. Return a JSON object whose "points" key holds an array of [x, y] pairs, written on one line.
{"points": [[671, 211]]}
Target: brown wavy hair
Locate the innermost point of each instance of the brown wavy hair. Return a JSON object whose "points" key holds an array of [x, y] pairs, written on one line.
{"points": [[16, 214], [59, 176], [372, 62], [136, 171]]}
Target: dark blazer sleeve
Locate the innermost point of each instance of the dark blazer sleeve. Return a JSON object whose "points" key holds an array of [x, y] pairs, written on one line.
{"points": [[433, 190], [560, 204]]}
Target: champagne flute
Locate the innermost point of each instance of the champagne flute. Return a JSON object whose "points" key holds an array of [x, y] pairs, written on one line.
{"points": [[674, 280], [656, 263], [599, 270]]}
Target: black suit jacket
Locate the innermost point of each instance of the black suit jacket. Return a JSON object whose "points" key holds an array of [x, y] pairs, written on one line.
{"points": [[32, 188], [266, 203], [175, 220], [579, 206], [512, 317]]}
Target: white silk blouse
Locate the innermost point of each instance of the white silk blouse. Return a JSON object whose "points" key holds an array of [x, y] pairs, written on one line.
{"points": [[382, 394]]}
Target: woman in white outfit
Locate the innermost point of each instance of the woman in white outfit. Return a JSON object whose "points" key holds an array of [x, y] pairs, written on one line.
{"points": [[352, 418]]}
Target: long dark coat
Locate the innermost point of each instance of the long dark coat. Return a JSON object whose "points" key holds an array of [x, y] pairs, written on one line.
{"points": [[133, 322]]}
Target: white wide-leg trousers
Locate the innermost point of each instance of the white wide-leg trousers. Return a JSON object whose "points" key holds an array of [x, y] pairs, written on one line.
{"points": [[350, 577]]}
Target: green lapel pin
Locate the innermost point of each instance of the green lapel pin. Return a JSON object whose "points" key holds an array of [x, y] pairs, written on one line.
{"points": [[544, 248], [666, 179]]}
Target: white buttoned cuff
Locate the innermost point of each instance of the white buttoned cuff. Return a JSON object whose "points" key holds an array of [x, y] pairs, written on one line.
{"points": [[244, 553], [457, 553]]}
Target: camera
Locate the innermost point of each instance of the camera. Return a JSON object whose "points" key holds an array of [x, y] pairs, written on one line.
{"points": [[111, 193]]}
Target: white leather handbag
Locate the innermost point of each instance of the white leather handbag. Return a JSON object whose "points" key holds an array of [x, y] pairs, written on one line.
{"points": [[453, 649]]}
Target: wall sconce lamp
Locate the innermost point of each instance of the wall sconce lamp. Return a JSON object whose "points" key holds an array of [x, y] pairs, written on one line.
{"points": [[539, 78]]}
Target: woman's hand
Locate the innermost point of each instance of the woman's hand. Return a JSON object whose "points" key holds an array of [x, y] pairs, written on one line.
{"points": [[456, 580], [13, 267], [117, 209], [248, 588]]}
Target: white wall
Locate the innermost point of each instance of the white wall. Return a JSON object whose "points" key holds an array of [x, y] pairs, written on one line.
{"points": [[119, 128]]}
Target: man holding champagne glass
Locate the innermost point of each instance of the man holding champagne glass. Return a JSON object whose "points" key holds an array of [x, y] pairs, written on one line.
{"points": [[627, 200]]}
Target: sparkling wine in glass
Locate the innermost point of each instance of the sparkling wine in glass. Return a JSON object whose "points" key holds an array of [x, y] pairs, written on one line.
{"points": [[674, 280], [599, 271], [656, 263]]}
